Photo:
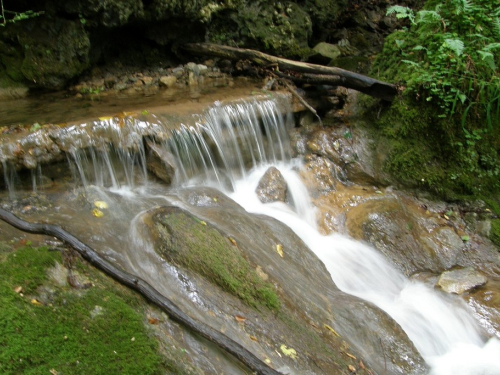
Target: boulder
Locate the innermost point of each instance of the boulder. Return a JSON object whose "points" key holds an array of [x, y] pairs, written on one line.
{"points": [[461, 280]]}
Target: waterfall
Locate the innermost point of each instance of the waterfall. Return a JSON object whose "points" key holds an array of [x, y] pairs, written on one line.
{"points": [[230, 146]]}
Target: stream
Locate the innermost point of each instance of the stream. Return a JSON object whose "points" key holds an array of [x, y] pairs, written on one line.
{"points": [[230, 147]]}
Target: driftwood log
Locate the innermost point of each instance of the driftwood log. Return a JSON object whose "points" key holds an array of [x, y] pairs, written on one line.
{"points": [[300, 72], [145, 289]]}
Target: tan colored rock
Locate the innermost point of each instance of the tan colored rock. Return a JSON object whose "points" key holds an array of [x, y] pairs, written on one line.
{"points": [[461, 280], [168, 81]]}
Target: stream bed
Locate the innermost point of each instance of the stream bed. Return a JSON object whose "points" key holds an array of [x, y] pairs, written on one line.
{"points": [[109, 185]]}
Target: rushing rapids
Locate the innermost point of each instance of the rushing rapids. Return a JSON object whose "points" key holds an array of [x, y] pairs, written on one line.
{"points": [[230, 146]]}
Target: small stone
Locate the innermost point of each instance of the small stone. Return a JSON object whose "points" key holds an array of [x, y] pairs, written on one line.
{"points": [[147, 80], [461, 280], [168, 81]]}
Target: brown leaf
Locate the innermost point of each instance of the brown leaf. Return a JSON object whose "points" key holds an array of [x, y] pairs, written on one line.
{"points": [[18, 289], [153, 321], [239, 318], [361, 365]]}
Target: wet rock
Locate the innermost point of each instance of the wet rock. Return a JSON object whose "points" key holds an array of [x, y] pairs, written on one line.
{"points": [[385, 224], [272, 187], [485, 302], [461, 280], [322, 175], [160, 162], [308, 298]]}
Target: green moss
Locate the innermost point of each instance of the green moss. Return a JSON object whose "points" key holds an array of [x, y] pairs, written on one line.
{"points": [[190, 243], [96, 331], [278, 28], [435, 153], [495, 232]]}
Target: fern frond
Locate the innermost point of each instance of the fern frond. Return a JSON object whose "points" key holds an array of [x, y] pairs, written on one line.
{"points": [[456, 45], [401, 12], [495, 27], [428, 16]]}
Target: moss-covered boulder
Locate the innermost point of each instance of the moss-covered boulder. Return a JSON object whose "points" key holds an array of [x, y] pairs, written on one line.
{"points": [[45, 52]]}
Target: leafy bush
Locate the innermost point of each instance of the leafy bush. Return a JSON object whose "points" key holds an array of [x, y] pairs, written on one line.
{"points": [[451, 53], [447, 59]]}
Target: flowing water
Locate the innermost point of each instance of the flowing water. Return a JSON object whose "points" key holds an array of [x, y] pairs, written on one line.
{"points": [[231, 147]]}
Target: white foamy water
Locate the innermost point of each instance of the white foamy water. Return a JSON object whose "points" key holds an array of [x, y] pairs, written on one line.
{"points": [[441, 327]]}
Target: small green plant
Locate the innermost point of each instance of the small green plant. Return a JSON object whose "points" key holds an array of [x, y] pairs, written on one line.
{"points": [[8, 16]]}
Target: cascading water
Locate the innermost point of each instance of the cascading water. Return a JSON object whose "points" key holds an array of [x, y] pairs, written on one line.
{"points": [[441, 327], [219, 148]]}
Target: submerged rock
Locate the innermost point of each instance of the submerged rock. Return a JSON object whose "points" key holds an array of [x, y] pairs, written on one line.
{"points": [[461, 280], [272, 186]]}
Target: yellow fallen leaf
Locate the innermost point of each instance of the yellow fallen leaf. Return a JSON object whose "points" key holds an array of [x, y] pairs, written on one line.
{"points": [[253, 338], [18, 289], [350, 355], [105, 118], [53, 371], [36, 302], [203, 223], [331, 330], [101, 205], [267, 360], [279, 249], [215, 199], [97, 213], [289, 352], [233, 241], [351, 368]]}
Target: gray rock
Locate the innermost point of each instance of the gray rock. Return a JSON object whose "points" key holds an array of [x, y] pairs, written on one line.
{"points": [[461, 280], [327, 51], [272, 186]]}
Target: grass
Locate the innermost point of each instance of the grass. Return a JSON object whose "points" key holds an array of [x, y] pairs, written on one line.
{"points": [[92, 331]]}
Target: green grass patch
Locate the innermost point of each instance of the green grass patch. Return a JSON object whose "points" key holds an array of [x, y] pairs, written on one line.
{"points": [[92, 331], [193, 244]]}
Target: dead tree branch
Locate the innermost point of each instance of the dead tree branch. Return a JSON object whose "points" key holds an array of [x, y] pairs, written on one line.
{"points": [[317, 74]]}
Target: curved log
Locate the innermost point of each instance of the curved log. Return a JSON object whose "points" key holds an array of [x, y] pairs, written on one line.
{"points": [[356, 81], [145, 289]]}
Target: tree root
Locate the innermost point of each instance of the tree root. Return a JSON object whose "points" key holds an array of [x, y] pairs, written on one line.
{"points": [[145, 289]]}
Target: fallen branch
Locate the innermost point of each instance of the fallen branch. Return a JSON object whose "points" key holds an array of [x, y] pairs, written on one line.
{"points": [[313, 72], [145, 289]]}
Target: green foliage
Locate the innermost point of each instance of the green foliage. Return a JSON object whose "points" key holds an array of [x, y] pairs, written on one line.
{"points": [[446, 128], [451, 52], [8, 16], [94, 331]]}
